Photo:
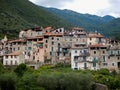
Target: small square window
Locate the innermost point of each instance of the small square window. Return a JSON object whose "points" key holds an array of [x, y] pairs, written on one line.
{"points": [[103, 52], [52, 38], [118, 58], [113, 64], [94, 52], [75, 51], [90, 38]]}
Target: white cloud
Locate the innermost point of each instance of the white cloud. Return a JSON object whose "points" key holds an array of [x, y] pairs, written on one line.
{"points": [[51, 3], [97, 7], [87, 6], [113, 10]]}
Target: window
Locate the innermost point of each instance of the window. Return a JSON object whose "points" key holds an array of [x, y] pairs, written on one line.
{"points": [[85, 65], [15, 62], [108, 57], [60, 30], [111, 52], [52, 48], [118, 58], [104, 64], [18, 48], [6, 57], [57, 38], [103, 58], [37, 60], [113, 64], [94, 52], [25, 48], [75, 58], [46, 41], [15, 56], [52, 38], [118, 52], [52, 43], [103, 52], [94, 64], [75, 51], [29, 48], [38, 33], [31, 34], [58, 54], [29, 42], [76, 64], [80, 51], [90, 38], [58, 44], [6, 62], [50, 53], [11, 62]]}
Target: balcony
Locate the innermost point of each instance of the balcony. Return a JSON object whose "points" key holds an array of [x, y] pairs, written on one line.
{"points": [[85, 54], [65, 51], [78, 59]]}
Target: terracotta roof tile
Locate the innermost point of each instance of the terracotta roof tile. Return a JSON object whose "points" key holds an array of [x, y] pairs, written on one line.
{"points": [[14, 54], [17, 40], [37, 37], [49, 28], [97, 45], [53, 34]]}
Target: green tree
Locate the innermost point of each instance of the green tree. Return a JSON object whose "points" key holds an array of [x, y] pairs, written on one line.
{"points": [[1, 68], [21, 69], [8, 81]]}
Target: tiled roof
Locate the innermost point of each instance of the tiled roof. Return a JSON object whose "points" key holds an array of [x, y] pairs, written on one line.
{"points": [[95, 36], [37, 37], [53, 34], [16, 40], [14, 54], [97, 45], [49, 28], [67, 58]]}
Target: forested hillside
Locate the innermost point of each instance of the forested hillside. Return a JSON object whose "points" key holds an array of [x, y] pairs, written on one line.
{"points": [[19, 14]]}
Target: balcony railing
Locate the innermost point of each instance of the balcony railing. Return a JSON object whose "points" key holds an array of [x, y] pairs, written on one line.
{"points": [[85, 54]]}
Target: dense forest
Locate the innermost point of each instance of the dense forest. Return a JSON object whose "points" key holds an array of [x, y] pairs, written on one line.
{"points": [[55, 77]]}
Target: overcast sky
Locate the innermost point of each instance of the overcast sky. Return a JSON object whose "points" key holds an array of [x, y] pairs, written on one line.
{"points": [[97, 7]]}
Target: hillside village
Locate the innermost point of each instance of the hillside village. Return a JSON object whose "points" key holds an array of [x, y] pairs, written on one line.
{"points": [[40, 46]]}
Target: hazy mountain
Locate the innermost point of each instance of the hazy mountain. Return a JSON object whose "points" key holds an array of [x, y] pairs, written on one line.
{"points": [[107, 25], [78, 19]]}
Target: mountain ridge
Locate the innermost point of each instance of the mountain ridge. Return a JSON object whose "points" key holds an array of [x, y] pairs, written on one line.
{"points": [[88, 21]]}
